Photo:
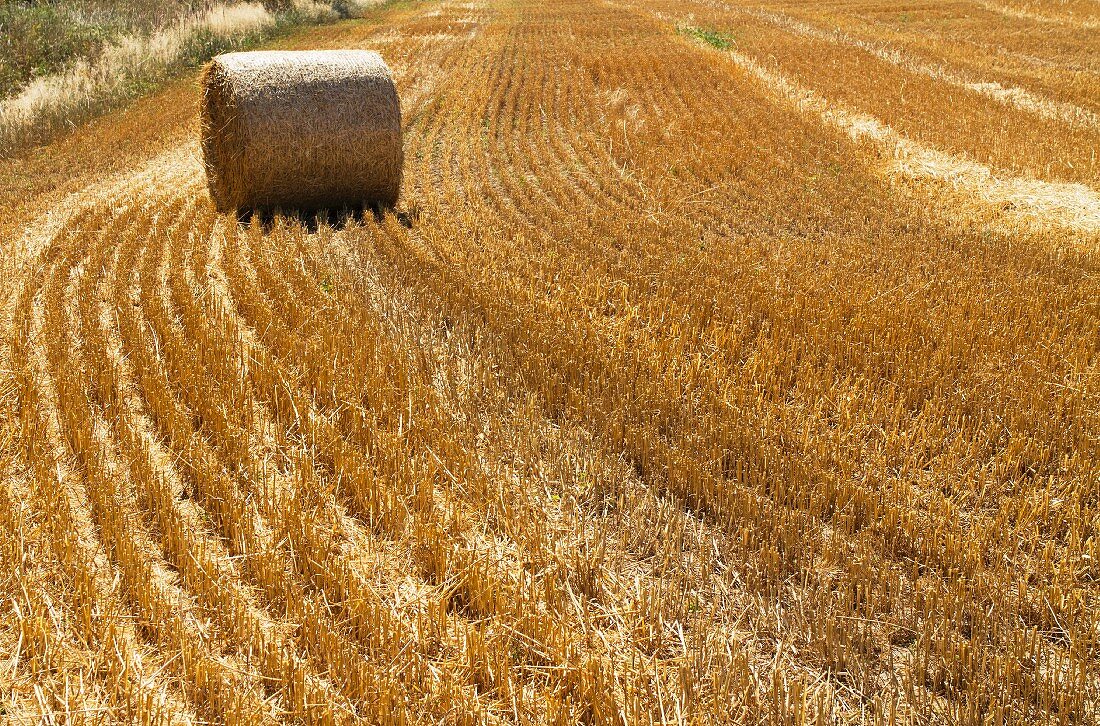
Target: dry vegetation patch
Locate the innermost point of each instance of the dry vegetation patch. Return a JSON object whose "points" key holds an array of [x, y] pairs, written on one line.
{"points": [[654, 401]]}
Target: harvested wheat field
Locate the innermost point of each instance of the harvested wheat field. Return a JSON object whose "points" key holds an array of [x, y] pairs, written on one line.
{"points": [[720, 363]]}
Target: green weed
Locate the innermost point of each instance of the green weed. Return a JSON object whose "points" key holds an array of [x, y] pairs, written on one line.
{"points": [[721, 41]]}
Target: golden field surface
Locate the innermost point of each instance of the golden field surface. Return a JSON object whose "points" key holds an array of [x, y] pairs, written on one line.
{"points": [[721, 363]]}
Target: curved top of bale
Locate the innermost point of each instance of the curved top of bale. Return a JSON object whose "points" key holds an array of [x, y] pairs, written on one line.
{"points": [[301, 129]]}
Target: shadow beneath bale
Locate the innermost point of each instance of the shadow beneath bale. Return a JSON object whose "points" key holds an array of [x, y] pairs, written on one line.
{"points": [[312, 220]]}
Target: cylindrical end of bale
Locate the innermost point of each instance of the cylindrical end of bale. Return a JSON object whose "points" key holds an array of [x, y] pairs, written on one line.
{"points": [[300, 130]]}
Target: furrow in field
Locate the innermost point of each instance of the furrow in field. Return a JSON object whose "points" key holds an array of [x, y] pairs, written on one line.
{"points": [[529, 167], [84, 542], [481, 118], [363, 458], [554, 150], [571, 157], [204, 564], [248, 518], [519, 153], [118, 501], [637, 96]]}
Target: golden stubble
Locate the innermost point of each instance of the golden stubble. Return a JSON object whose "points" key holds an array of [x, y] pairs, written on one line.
{"points": [[655, 400]]}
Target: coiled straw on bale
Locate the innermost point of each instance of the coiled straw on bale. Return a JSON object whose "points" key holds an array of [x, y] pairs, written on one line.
{"points": [[300, 129]]}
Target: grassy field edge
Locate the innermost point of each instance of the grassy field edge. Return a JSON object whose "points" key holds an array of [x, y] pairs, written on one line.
{"points": [[52, 106]]}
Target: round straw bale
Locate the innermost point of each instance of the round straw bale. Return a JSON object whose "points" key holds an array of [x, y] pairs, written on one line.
{"points": [[300, 129]]}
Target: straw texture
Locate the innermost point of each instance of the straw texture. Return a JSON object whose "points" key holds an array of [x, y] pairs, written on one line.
{"points": [[300, 129]]}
